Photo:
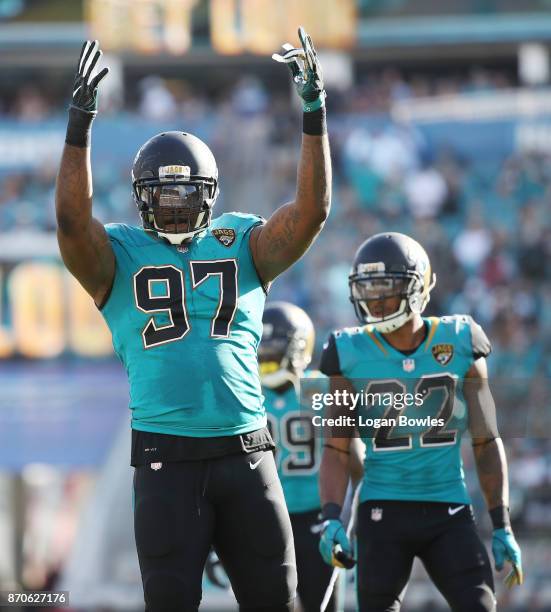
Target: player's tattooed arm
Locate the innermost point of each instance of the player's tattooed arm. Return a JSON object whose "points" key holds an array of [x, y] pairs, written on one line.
{"points": [[336, 466], [489, 453], [83, 241], [293, 227]]}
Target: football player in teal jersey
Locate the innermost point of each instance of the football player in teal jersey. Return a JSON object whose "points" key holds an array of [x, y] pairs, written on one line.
{"points": [[425, 379], [284, 353], [183, 296]]}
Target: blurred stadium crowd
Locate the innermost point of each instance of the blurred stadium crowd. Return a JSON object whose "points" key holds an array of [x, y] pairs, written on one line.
{"points": [[486, 227]]}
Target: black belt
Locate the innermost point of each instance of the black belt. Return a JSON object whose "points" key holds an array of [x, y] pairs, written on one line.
{"points": [[149, 447]]}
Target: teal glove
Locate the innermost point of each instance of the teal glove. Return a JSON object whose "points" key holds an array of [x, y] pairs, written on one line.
{"points": [[334, 545], [307, 75], [505, 548]]}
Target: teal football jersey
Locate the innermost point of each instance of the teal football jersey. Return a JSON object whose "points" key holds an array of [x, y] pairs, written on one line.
{"points": [[186, 322], [416, 454], [298, 450]]}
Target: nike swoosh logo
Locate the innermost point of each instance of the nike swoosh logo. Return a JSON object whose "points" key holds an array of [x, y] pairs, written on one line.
{"points": [[452, 511], [254, 465]]}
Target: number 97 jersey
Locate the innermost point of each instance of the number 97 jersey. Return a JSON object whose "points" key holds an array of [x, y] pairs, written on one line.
{"points": [[414, 414], [186, 322]]}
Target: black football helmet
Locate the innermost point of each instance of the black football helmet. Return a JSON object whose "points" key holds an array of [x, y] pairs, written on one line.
{"points": [[175, 185], [287, 344], [390, 265]]}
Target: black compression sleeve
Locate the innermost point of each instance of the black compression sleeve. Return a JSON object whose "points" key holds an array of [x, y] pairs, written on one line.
{"points": [[314, 123], [330, 364], [79, 127]]}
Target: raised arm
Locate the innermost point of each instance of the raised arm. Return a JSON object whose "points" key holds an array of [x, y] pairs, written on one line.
{"points": [[293, 227], [83, 241], [491, 465]]}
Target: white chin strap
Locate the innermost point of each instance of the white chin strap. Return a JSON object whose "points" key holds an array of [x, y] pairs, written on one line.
{"points": [[177, 239], [392, 322], [390, 325], [276, 379]]}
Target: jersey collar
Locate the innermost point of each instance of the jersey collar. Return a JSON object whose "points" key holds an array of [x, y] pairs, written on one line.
{"points": [[431, 325]]}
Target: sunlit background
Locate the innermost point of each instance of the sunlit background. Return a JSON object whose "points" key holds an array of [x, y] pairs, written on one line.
{"points": [[440, 125]]}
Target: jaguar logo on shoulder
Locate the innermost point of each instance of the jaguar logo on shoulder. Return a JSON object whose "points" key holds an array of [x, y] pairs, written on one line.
{"points": [[225, 236], [443, 353]]}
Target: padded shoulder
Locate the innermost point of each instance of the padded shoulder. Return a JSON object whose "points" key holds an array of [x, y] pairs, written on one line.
{"points": [[127, 234], [476, 342], [330, 363], [349, 332], [340, 348], [240, 222], [481, 345]]}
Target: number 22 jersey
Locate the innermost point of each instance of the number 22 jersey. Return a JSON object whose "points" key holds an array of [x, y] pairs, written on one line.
{"points": [[420, 460], [186, 322]]}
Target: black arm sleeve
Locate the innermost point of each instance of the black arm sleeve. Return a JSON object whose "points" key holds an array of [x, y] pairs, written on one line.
{"points": [[479, 340], [329, 364]]}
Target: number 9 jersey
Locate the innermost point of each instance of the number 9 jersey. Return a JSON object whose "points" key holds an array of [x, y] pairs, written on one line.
{"points": [[415, 452], [186, 322], [298, 449]]}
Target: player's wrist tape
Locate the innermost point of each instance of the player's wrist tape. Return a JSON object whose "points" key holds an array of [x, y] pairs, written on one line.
{"points": [[314, 123], [79, 127], [500, 517], [331, 511]]}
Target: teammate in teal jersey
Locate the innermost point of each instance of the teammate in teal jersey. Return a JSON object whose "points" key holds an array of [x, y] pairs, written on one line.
{"points": [[431, 372], [284, 354], [183, 296]]}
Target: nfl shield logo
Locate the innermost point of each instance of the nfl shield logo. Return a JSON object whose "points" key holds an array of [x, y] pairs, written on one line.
{"points": [[376, 514], [408, 365], [156, 466]]}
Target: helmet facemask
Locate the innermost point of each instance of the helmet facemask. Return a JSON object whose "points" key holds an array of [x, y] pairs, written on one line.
{"points": [[376, 288], [175, 208]]}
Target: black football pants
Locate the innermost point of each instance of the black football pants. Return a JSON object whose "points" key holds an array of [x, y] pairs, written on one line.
{"points": [[234, 503], [390, 534]]}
